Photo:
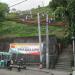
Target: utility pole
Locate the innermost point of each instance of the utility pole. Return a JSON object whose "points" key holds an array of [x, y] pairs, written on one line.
{"points": [[47, 43], [39, 31], [30, 14], [73, 49]]}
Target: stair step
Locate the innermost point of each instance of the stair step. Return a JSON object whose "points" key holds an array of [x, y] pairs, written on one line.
{"points": [[64, 60], [64, 68], [68, 69], [60, 63], [63, 65], [65, 57]]}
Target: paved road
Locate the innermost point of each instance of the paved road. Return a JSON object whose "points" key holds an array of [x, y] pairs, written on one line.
{"points": [[23, 72], [29, 72]]}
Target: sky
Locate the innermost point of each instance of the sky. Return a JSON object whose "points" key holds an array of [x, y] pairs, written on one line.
{"points": [[27, 5]]}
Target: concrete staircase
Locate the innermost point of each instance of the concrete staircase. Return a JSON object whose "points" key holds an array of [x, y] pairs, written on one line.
{"points": [[65, 59]]}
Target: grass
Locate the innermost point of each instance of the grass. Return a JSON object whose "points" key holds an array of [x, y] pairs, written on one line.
{"points": [[10, 28], [14, 29]]}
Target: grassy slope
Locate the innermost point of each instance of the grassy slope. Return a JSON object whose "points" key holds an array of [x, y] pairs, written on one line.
{"points": [[10, 28]]}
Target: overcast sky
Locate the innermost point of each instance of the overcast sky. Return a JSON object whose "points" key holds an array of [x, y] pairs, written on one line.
{"points": [[27, 4]]}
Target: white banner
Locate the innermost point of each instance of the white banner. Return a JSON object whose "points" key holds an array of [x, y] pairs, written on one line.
{"points": [[25, 48]]}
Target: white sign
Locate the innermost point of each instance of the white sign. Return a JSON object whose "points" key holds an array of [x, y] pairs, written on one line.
{"points": [[25, 48]]}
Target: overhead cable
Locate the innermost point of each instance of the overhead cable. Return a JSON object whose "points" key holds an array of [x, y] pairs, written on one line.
{"points": [[17, 3]]}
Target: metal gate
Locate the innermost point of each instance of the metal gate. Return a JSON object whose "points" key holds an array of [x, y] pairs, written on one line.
{"points": [[28, 59]]}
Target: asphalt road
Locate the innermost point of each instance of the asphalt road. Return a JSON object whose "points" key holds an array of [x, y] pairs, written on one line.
{"points": [[22, 72], [29, 72]]}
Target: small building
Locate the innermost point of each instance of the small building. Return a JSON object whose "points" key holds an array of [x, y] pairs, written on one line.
{"points": [[53, 51]]}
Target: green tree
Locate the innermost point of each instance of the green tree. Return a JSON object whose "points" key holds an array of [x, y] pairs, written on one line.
{"points": [[71, 11], [66, 9], [59, 13], [57, 3], [3, 10]]}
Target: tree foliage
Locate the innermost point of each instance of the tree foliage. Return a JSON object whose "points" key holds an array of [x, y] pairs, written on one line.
{"points": [[71, 10], [14, 29], [59, 13], [66, 9], [57, 3], [3, 10]]}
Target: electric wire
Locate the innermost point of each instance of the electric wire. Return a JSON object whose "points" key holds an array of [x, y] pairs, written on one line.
{"points": [[17, 3]]}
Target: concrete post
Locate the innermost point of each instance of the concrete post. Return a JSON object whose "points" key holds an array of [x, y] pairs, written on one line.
{"points": [[39, 31], [73, 49], [47, 43], [74, 52]]}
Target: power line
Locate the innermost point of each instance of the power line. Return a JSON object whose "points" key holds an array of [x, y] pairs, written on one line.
{"points": [[17, 3]]}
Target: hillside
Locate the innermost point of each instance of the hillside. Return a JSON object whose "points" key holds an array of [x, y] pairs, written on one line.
{"points": [[13, 29]]}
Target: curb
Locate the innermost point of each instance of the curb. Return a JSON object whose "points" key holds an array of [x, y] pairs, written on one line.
{"points": [[52, 72], [40, 70]]}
